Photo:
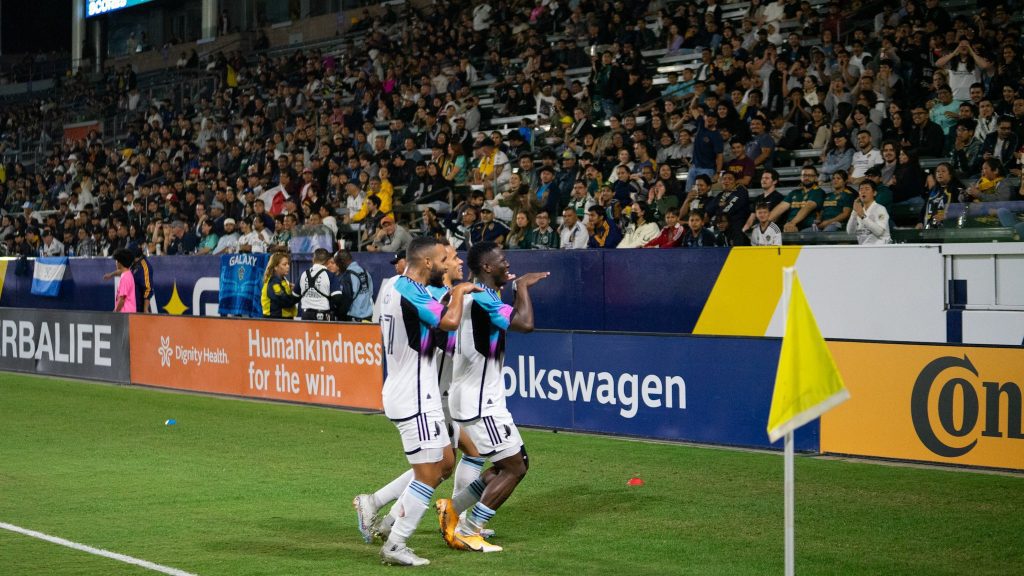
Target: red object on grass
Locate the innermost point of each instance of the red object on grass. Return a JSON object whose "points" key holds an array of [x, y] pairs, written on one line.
{"points": [[635, 481]]}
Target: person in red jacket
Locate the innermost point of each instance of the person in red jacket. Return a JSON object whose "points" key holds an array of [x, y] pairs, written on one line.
{"points": [[671, 235]]}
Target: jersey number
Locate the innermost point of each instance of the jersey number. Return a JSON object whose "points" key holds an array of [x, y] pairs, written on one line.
{"points": [[388, 322]]}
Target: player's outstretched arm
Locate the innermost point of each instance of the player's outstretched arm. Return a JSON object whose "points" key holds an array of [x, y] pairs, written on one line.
{"points": [[453, 315], [522, 317]]}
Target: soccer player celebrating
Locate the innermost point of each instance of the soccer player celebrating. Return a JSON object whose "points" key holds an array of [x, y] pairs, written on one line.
{"points": [[411, 396], [372, 525], [477, 396]]}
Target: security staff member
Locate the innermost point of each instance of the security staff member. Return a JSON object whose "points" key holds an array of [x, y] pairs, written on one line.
{"points": [[315, 288], [355, 303]]}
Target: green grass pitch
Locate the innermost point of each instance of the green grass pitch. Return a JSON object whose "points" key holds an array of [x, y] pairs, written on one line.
{"points": [[242, 487]]}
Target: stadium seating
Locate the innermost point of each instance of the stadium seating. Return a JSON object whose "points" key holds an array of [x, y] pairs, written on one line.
{"points": [[335, 73]]}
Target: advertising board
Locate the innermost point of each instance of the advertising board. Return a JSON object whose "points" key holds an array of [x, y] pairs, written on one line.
{"points": [[316, 363], [931, 403], [90, 345]]}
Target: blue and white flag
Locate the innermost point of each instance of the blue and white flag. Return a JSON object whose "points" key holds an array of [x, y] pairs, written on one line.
{"points": [[241, 282], [48, 275]]}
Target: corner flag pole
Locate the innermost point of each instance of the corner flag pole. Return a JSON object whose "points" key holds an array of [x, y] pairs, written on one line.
{"points": [[787, 287]]}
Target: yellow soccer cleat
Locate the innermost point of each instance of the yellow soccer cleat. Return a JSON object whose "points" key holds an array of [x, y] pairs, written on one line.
{"points": [[448, 520], [475, 543]]}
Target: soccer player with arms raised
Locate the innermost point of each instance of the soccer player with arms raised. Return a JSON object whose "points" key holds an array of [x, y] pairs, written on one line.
{"points": [[411, 397], [477, 396]]}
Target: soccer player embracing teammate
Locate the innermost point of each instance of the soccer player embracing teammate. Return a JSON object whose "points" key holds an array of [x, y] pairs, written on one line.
{"points": [[477, 396], [411, 397], [491, 271]]}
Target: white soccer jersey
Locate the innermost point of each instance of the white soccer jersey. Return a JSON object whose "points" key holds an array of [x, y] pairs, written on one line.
{"points": [[444, 348], [477, 387], [770, 236], [408, 318]]}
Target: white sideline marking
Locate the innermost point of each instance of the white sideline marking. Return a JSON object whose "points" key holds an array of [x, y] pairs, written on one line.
{"points": [[97, 551]]}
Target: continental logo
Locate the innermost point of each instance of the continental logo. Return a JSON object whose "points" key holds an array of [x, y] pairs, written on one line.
{"points": [[954, 428]]}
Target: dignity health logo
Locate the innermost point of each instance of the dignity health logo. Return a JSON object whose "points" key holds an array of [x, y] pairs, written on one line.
{"points": [[165, 351], [189, 354]]}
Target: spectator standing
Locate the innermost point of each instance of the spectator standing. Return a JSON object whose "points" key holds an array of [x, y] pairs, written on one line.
{"points": [[707, 147], [124, 296]]}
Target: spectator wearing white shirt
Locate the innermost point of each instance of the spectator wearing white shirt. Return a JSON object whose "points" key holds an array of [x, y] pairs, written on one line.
{"points": [[251, 240], [572, 233], [870, 220], [229, 241], [50, 245], [865, 157]]}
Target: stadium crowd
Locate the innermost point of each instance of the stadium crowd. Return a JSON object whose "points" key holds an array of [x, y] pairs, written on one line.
{"points": [[389, 138]]}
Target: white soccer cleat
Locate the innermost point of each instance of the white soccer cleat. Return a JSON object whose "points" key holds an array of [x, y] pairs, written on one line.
{"points": [[401, 555], [381, 526], [365, 511]]}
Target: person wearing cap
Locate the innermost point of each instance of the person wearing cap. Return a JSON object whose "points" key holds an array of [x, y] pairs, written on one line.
{"points": [[390, 237], [708, 146], [487, 229], [398, 261], [228, 242], [50, 246]]}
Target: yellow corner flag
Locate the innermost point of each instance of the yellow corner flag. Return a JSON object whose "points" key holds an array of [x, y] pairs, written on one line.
{"points": [[807, 383]]}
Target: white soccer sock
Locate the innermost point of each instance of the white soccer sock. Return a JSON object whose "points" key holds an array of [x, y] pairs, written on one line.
{"points": [[411, 506], [464, 499], [466, 472], [474, 520], [392, 490]]}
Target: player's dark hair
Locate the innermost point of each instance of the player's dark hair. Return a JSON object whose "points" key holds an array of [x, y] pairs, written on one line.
{"points": [[419, 246], [476, 255]]}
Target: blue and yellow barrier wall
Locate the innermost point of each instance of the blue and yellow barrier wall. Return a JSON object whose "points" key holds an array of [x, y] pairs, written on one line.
{"points": [[905, 293]]}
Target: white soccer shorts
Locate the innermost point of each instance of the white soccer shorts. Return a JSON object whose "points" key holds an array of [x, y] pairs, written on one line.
{"points": [[495, 436], [424, 437]]}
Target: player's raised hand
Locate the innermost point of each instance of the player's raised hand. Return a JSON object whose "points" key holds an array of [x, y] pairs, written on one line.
{"points": [[531, 278]]}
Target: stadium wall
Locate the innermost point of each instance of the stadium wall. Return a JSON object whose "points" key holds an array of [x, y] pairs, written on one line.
{"points": [[937, 403], [906, 293]]}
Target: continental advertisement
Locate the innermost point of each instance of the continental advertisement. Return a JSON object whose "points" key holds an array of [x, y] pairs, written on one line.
{"points": [[316, 363], [949, 404]]}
